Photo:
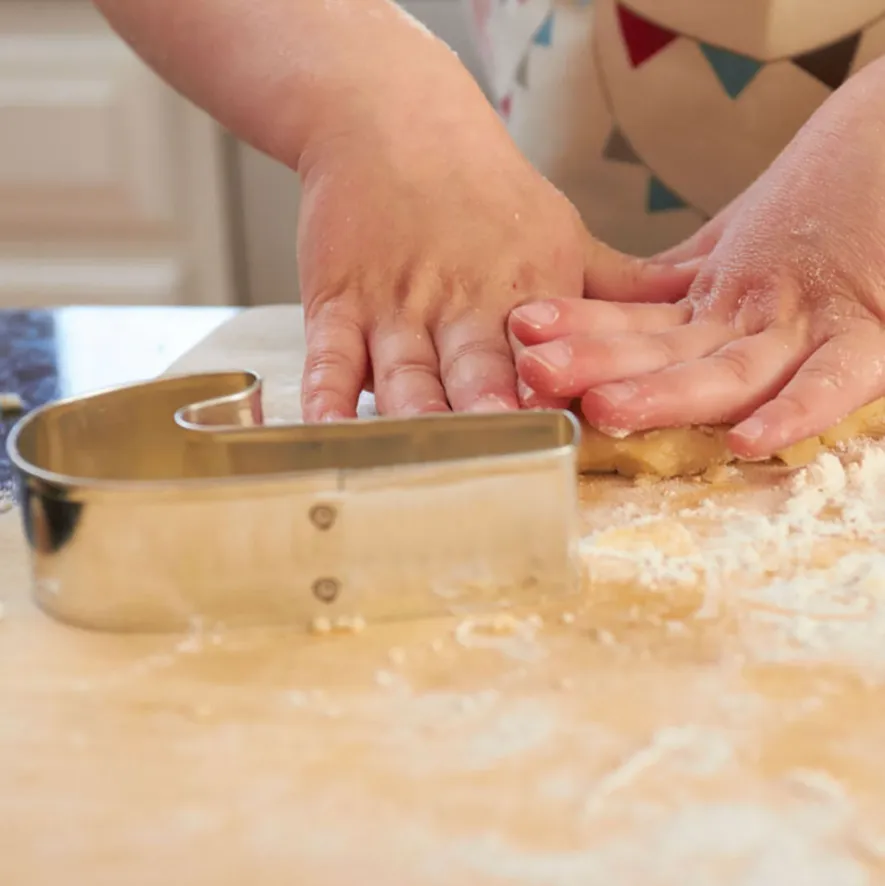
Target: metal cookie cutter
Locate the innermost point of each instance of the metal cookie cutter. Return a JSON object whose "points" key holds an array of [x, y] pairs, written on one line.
{"points": [[153, 505]]}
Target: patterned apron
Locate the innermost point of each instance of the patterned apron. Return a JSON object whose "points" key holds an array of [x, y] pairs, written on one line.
{"points": [[651, 115]]}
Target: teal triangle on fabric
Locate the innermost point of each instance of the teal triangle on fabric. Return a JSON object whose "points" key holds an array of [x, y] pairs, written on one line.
{"points": [[733, 71], [544, 34], [661, 198]]}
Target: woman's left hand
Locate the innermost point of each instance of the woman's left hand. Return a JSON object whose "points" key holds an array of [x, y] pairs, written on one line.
{"points": [[781, 334]]}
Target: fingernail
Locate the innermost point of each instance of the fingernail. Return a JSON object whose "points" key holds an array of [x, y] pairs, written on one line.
{"points": [[537, 314], [616, 394], [555, 355], [752, 429]]}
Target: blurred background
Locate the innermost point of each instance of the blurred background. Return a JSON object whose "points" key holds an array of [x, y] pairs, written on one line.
{"points": [[116, 191]]}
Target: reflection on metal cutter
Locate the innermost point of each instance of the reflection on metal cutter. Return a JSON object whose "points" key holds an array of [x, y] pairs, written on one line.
{"points": [[153, 506]]}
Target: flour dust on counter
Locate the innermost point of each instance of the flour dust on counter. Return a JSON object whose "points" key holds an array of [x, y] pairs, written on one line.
{"points": [[680, 722], [810, 563], [710, 709]]}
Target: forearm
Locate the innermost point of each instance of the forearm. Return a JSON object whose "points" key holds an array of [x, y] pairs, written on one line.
{"points": [[282, 74]]}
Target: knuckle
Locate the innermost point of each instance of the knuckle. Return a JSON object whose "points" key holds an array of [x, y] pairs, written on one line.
{"points": [[325, 362], [467, 351], [525, 275], [633, 271], [736, 363], [403, 367], [795, 405], [823, 375], [326, 302], [667, 350], [326, 370], [599, 315], [550, 264], [708, 295]]}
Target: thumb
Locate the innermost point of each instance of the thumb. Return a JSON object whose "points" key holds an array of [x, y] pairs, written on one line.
{"points": [[703, 241], [610, 275]]}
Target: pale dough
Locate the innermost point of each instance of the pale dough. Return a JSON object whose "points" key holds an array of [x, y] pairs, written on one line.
{"points": [[679, 452]]}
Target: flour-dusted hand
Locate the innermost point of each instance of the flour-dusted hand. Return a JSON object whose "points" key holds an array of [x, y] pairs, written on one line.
{"points": [[421, 224], [783, 330], [420, 231]]}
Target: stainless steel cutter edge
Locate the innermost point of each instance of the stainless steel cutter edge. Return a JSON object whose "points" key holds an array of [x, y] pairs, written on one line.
{"points": [[154, 505]]}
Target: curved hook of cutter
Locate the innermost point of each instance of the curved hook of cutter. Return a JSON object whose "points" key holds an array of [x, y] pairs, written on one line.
{"points": [[140, 521], [240, 409], [127, 433]]}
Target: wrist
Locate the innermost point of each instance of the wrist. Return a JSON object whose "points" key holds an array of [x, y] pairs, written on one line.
{"points": [[861, 99], [417, 100]]}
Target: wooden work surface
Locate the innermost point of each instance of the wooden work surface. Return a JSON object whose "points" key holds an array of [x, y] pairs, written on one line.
{"points": [[711, 712]]}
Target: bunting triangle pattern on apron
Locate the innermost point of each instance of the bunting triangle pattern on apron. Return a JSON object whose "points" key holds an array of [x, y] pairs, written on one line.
{"points": [[652, 115]]}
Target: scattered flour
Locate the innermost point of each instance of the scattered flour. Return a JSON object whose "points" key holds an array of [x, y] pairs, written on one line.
{"points": [[344, 624], [321, 625], [710, 749], [792, 564], [384, 678], [614, 433], [743, 842], [503, 632]]}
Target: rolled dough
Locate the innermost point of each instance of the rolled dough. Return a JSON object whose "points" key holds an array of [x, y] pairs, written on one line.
{"points": [[270, 341], [680, 452]]}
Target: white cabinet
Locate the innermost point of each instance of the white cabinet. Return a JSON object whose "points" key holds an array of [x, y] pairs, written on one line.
{"points": [[112, 187]]}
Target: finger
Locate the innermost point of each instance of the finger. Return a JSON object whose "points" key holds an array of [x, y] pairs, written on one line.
{"points": [[612, 276], [699, 245], [405, 370], [844, 374], [726, 385], [530, 399], [476, 364], [541, 321], [526, 397], [703, 241], [568, 366], [334, 368]]}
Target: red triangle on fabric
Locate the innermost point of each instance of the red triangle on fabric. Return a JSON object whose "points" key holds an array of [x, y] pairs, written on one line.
{"points": [[643, 38]]}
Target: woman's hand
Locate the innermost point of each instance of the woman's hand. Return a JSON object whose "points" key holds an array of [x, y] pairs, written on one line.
{"points": [[782, 332], [422, 226]]}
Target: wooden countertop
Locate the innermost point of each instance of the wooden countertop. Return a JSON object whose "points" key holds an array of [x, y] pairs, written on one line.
{"points": [[710, 711]]}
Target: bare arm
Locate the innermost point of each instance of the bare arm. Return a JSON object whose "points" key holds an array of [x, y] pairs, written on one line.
{"points": [[421, 224], [284, 74]]}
